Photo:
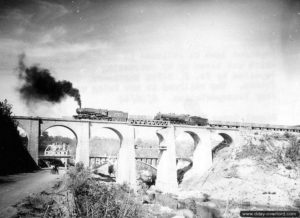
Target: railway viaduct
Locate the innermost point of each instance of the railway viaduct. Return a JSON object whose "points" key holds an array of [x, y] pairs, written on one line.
{"points": [[128, 133]]}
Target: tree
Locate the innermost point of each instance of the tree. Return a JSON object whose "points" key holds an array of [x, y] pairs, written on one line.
{"points": [[6, 114], [14, 157], [5, 109]]}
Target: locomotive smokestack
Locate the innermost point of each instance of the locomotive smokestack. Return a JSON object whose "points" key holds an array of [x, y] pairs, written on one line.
{"points": [[40, 85]]}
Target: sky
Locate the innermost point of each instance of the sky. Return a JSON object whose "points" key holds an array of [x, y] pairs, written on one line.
{"points": [[230, 60]]}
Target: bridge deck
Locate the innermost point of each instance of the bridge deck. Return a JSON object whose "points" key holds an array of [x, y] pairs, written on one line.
{"points": [[159, 123], [54, 157]]}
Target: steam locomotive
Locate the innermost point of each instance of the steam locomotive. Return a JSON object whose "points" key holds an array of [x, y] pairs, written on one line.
{"points": [[112, 115], [100, 114], [182, 119]]}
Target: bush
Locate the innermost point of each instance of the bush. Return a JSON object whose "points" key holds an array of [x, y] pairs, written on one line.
{"points": [[98, 199], [293, 151], [39, 205], [77, 176], [251, 150], [287, 135]]}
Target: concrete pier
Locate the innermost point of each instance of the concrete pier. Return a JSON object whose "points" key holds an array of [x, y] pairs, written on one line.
{"points": [[126, 165], [166, 180]]}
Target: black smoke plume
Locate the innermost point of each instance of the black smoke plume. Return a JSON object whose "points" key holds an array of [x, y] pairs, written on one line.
{"points": [[39, 84]]}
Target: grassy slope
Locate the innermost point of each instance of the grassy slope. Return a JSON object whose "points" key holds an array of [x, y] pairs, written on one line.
{"points": [[261, 172]]}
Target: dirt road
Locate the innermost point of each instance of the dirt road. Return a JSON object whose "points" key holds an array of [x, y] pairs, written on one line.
{"points": [[14, 188]]}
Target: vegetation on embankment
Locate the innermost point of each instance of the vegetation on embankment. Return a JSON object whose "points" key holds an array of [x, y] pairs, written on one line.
{"points": [[81, 195], [14, 157], [262, 173]]}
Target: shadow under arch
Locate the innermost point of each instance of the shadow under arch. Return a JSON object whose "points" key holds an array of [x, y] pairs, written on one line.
{"points": [[160, 138], [227, 141], [117, 132], [186, 154], [195, 137], [161, 146]]}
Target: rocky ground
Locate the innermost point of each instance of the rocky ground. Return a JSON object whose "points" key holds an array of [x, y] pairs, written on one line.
{"points": [[262, 174]]}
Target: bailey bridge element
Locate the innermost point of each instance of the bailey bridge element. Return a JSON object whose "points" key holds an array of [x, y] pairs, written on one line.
{"points": [[127, 133]]}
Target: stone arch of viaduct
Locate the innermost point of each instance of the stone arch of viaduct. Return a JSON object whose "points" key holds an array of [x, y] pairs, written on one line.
{"points": [[166, 169]]}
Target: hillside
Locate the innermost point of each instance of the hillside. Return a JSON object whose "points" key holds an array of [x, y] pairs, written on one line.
{"points": [[263, 173]]}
